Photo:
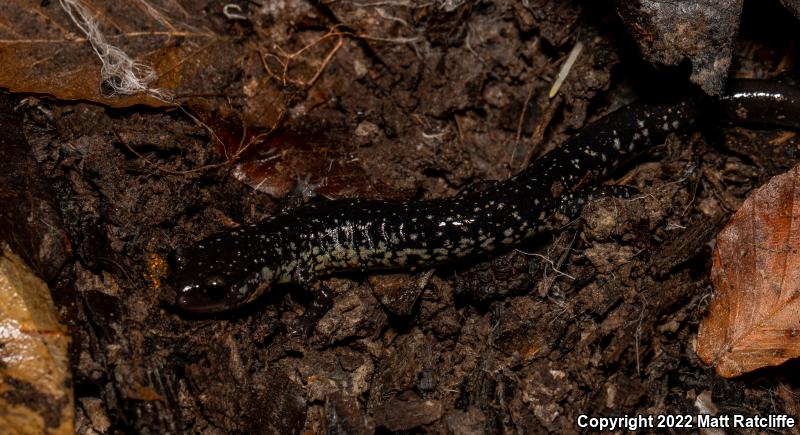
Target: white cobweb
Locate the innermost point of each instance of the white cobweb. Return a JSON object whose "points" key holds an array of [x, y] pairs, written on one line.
{"points": [[122, 74]]}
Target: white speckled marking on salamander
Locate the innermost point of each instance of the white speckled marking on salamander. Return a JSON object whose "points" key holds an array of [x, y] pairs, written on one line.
{"points": [[234, 267]]}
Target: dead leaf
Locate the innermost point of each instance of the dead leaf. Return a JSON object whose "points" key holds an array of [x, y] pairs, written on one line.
{"points": [[45, 52], [754, 316], [311, 162], [35, 384]]}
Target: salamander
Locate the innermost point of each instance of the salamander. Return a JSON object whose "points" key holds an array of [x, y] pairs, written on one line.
{"points": [[234, 267]]}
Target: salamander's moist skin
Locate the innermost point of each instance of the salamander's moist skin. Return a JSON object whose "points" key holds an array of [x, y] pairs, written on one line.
{"points": [[234, 267]]}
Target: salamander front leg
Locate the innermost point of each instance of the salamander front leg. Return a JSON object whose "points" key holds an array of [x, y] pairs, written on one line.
{"points": [[477, 187], [321, 301]]}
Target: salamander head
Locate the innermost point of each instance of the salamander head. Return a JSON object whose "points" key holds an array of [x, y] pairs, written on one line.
{"points": [[215, 276]]}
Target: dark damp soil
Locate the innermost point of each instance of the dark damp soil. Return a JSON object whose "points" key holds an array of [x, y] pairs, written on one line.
{"points": [[597, 318]]}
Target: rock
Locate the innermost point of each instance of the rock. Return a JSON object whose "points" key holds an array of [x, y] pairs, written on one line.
{"points": [[702, 31]]}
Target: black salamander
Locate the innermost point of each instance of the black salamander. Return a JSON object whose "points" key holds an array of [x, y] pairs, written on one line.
{"points": [[234, 267]]}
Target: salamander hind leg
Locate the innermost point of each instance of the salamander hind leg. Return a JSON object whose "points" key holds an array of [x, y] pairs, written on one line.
{"points": [[570, 205]]}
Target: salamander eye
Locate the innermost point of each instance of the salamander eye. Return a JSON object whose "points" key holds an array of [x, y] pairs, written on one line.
{"points": [[179, 258], [215, 287]]}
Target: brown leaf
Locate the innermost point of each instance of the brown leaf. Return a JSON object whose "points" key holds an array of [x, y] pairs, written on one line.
{"points": [[45, 52], [754, 317], [313, 162], [35, 386]]}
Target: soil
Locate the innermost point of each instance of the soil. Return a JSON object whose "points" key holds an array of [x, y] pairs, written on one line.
{"points": [[598, 317]]}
